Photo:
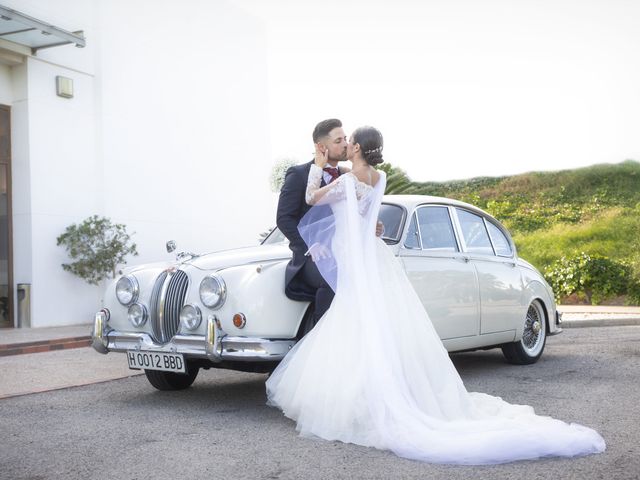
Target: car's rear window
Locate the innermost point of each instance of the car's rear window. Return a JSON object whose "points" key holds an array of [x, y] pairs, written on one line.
{"points": [[475, 233], [500, 242]]}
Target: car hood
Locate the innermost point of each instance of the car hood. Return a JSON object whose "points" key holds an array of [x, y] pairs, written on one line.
{"points": [[145, 266], [240, 256]]}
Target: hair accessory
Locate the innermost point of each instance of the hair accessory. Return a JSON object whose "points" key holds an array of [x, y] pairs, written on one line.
{"points": [[373, 150]]}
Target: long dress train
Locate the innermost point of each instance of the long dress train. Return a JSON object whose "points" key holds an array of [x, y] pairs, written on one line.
{"points": [[374, 372]]}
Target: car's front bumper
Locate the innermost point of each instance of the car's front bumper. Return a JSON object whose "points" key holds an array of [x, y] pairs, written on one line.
{"points": [[215, 346]]}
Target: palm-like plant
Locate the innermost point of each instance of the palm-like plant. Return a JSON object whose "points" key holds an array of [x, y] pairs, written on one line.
{"points": [[397, 180]]}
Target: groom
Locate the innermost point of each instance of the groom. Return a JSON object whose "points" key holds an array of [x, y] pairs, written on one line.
{"points": [[302, 279]]}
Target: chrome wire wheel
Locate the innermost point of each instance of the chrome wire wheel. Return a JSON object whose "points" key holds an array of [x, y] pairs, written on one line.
{"points": [[529, 348], [533, 336]]}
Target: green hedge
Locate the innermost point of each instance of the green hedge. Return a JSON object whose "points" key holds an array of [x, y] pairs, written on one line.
{"points": [[593, 278]]}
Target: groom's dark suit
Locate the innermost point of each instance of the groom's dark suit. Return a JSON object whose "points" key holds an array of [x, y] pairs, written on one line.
{"points": [[302, 279]]}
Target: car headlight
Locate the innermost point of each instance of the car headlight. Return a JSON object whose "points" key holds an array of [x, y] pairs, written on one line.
{"points": [[127, 290], [138, 314], [213, 291], [190, 317]]}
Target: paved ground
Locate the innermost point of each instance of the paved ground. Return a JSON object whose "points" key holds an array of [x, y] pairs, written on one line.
{"points": [[40, 372], [221, 428]]}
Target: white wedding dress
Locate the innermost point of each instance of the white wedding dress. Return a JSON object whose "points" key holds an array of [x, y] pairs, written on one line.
{"points": [[374, 372]]}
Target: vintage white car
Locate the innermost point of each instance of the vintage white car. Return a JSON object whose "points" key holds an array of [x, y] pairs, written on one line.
{"points": [[228, 309]]}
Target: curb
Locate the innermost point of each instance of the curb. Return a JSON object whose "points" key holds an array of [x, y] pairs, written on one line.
{"points": [[600, 322], [44, 345], [65, 386]]}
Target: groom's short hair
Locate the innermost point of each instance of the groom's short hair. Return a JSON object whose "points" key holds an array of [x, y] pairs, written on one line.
{"points": [[324, 127]]}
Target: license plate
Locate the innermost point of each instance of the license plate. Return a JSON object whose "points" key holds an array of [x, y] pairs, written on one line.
{"points": [[167, 362]]}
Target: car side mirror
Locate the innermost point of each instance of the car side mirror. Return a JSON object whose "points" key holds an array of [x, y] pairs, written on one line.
{"points": [[171, 246]]}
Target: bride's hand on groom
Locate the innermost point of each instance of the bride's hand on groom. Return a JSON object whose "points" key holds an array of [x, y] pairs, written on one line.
{"points": [[318, 252], [322, 155]]}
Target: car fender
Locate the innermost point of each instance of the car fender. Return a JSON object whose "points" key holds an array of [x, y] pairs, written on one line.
{"points": [[536, 290], [257, 291]]}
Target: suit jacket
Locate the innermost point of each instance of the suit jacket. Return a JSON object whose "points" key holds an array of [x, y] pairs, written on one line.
{"points": [[291, 208]]}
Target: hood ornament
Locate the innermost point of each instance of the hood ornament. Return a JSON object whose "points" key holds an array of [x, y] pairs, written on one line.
{"points": [[181, 256]]}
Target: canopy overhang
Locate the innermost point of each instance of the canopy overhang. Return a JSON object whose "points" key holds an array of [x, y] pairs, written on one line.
{"points": [[35, 34]]}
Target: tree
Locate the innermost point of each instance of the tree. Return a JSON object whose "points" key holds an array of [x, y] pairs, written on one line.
{"points": [[96, 247], [397, 180]]}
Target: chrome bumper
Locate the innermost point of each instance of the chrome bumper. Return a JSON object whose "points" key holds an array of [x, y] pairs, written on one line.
{"points": [[215, 346], [558, 323]]}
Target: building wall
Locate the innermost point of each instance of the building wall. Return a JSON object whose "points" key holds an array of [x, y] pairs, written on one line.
{"points": [[166, 133], [185, 130], [64, 173], [54, 164]]}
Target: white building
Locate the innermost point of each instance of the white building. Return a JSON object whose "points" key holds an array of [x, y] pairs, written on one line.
{"points": [[166, 132]]}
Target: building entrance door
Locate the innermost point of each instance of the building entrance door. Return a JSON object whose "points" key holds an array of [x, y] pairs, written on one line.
{"points": [[6, 265]]}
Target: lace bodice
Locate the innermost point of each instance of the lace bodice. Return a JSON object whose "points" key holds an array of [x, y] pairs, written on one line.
{"points": [[335, 191]]}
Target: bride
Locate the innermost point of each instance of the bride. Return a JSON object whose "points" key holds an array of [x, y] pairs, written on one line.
{"points": [[373, 371]]}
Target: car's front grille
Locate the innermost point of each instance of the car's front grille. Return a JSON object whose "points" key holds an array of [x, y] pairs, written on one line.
{"points": [[167, 299]]}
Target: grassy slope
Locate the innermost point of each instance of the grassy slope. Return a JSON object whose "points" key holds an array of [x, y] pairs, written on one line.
{"points": [[617, 184], [613, 233]]}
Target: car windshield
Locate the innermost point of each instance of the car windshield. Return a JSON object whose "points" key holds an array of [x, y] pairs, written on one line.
{"points": [[276, 236], [392, 217]]}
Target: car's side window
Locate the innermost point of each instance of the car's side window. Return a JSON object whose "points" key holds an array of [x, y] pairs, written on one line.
{"points": [[436, 229], [474, 232], [500, 242], [413, 238], [391, 217]]}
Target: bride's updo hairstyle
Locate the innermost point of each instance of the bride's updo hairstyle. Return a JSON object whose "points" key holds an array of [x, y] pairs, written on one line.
{"points": [[371, 143]]}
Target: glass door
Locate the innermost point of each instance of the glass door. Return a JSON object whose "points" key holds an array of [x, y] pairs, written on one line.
{"points": [[6, 267]]}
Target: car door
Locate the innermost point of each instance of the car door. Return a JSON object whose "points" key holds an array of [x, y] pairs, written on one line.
{"points": [[499, 280], [445, 282]]}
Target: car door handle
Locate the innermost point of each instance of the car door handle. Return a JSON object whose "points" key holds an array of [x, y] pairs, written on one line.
{"points": [[462, 258]]}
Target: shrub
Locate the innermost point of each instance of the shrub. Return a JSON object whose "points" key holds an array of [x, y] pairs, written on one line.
{"points": [[593, 277], [97, 247], [634, 292]]}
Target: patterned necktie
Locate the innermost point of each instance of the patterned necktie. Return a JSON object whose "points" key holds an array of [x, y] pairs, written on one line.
{"points": [[334, 172]]}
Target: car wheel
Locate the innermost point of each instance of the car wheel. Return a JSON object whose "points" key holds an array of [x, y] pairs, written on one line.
{"points": [[529, 349], [172, 381]]}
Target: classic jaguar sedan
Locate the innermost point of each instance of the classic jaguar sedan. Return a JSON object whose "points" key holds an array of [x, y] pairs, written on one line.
{"points": [[228, 309]]}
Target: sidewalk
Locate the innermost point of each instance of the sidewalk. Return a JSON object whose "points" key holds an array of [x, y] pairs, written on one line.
{"points": [[36, 360], [41, 359]]}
